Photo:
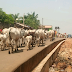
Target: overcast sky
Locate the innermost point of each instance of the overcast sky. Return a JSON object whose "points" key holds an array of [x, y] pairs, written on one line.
{"points": [[53, 12]]}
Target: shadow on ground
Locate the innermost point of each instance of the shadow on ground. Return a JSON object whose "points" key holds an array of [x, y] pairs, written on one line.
{"points": [[21, 50]]}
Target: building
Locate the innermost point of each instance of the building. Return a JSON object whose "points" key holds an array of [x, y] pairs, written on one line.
{"points": [[48, 27]]}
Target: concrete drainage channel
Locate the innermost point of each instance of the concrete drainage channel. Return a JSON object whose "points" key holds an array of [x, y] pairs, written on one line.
{"points": [[31, 63], [44, 65]]}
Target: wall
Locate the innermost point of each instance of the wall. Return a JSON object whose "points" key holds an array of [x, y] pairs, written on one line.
{"points": [[30, 64], [45, 64]]}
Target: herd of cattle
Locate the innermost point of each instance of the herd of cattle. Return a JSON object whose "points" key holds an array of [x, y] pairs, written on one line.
{"points": [[13, 35]]}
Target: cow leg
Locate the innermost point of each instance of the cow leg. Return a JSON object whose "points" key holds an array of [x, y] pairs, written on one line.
{"points": [[4, 46], [16, 44], [34, 39], [1, 46], [22, 40], [9, 51], [42, 41], [50, 39], [29, 46], [11, 45], [12, 48], [8, 48], [32, 43], [38, 43], [19, 42], [17, 49], [21, 45]]}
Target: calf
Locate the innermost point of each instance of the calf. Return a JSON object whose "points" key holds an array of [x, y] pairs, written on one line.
{"points": [[29, 41]]}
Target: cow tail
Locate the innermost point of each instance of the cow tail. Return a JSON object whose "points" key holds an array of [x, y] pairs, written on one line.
{"points": [[9, 34]]}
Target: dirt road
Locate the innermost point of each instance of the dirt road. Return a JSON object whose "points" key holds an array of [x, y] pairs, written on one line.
{"points": [[8, 62]]}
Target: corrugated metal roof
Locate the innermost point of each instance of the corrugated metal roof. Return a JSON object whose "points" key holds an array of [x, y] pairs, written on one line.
{"points": [[22, 25]]}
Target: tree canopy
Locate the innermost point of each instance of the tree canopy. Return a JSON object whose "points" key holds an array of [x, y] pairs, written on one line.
{"points": [[29, 19], [6, 18]]}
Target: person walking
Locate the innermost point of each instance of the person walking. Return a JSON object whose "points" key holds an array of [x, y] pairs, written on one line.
{"points": [[0, 31]]}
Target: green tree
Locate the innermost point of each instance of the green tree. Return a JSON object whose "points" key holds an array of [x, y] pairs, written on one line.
{"points": [[15, 16], [5, 19], [31, 20]]}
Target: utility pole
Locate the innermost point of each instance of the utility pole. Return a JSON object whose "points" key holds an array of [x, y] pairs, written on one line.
{"points": [[23, 19], [42, 23]]}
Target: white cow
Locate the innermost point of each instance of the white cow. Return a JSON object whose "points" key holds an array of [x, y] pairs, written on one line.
{"points": [[46, 33], [51, 35], [39, 36], [22, 33], [32, 33], [6, 30], [26, 33], [16, 34], [29, 41], [3, 38], [46, 36]]}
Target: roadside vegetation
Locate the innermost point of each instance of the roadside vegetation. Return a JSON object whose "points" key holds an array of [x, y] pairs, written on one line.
{"points": [[9, 19]]}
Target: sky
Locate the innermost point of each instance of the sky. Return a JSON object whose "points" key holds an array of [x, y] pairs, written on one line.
{"points": [[54, 12]]}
